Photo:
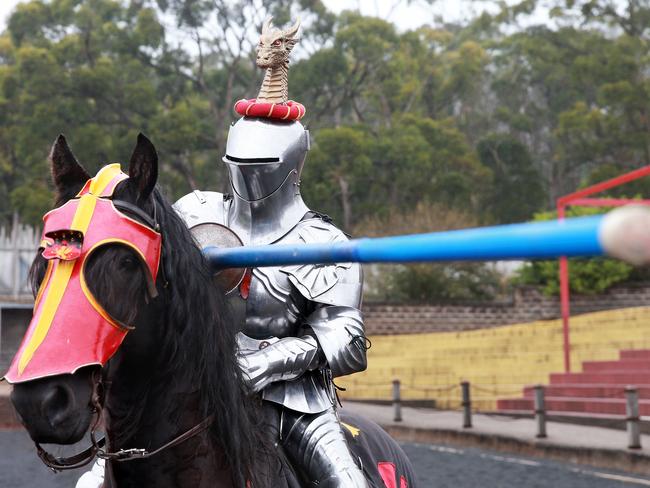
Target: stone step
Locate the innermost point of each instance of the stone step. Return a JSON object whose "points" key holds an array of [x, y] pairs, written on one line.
{"points": [[632, 365], [609, 406], [635, 354], [609, 378], [588, 391]]}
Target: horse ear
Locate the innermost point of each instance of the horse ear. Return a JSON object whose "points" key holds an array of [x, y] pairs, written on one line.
{"points": [[143, 167], [68, 175]]}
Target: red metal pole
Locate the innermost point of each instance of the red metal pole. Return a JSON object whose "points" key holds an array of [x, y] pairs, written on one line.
{"points": [[606, 202], [580, 197], [604, 185], [564, 300]]}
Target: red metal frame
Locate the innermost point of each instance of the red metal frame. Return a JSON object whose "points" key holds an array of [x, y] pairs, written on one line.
{"points": [[580, 198]]}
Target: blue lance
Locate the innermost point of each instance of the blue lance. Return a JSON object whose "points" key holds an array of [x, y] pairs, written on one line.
{"points": [[623, 233]]}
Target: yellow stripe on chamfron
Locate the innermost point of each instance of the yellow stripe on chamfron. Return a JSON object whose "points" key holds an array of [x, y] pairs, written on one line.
{"points": [[57, 287], [103, 178], [84, 213], [59, 283]]}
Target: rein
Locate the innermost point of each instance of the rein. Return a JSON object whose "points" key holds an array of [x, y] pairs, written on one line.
{"points": [[96, 448]]}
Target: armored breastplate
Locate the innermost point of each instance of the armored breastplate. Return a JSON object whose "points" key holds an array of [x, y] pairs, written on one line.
{"points": [[272, 309], [274, 302]]}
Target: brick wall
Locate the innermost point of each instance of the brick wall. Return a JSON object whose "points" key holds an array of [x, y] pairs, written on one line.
{"points": [[527, 304]]}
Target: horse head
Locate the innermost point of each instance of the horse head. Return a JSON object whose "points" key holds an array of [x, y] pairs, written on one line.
{"points": [[128, 323], [95, 280]]}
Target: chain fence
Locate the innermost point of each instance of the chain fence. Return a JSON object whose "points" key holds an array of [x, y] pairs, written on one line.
{"points": [[469, 395]]}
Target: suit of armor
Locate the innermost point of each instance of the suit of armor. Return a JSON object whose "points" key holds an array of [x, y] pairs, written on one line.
{"points": [[301, 325]]}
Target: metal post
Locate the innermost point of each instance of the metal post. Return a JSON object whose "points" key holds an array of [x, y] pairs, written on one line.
{"points": [[397, 401], [15, 288], [540, 412], [564, 300], [632, 413], [466, 404]]}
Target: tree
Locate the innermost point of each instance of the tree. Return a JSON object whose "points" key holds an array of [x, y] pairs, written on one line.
{"points": [[426, 282], [516, 191], [69, 67], [103, 70], [337, 166]]}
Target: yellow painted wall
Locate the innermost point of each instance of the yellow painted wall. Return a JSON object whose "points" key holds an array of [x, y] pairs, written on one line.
{"points": [[497, 361]]}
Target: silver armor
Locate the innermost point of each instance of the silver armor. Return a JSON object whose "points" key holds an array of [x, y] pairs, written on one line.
{"points": [[264, 161], [276, 359], [301, 325]]}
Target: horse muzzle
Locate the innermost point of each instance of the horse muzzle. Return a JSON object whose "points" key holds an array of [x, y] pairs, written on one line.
{"points": [[56, 410]]}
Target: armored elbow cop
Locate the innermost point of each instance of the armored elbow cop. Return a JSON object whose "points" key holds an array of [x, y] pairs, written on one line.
{"points": [[341, 337]]}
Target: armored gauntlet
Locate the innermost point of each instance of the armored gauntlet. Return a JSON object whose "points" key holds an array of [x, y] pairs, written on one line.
{"points": [[341, 337], [280, 360]]}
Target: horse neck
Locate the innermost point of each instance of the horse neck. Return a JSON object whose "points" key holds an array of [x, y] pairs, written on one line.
{"points": [[154, 410]]}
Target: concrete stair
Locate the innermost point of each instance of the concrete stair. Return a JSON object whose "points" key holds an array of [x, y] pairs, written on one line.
{"points": [[598, 390]]}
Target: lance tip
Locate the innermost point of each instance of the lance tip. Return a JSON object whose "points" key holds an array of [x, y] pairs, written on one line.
{"points": [[625, 234]]}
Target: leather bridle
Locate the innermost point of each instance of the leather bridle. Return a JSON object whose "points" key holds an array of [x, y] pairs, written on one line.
{"points": [[97, 447]]}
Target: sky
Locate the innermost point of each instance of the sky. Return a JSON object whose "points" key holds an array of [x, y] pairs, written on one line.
{"points": [[411, 14], [6, 6], [406, 14]]}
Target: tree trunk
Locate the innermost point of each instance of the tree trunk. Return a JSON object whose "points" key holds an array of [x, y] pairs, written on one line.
{"points": [[345, 203]]}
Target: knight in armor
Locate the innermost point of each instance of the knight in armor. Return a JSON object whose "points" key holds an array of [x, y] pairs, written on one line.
{"points": [[301, 325]]}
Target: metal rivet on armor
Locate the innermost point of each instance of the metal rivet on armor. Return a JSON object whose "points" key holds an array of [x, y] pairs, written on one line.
{"points": [[264, 344]]}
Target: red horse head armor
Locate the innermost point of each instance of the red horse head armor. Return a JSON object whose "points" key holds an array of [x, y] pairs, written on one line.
{"points": [[69, 328]]}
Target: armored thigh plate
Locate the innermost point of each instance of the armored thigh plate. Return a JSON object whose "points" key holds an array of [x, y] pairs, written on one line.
{"points": [[317, 443]]}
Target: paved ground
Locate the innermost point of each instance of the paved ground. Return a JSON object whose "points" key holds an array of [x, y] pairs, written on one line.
{"points": [[441, 466], [437, 465], [578, 437], [21, 468]]}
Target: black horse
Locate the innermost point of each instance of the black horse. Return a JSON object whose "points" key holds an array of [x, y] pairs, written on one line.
{"points": [[176, 372]]}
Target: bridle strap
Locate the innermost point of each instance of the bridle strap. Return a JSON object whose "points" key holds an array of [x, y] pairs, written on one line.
{"points": [[96, 448], [127, 207], [84, 457], [73, 462], [131, 454]]}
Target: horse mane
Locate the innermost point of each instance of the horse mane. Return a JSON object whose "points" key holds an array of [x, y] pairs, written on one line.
{"points": [[200, 336]]}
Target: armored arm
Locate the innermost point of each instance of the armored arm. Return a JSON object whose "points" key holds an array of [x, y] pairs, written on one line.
{"points": [[265, 362], [341, 338], [334, 336]]}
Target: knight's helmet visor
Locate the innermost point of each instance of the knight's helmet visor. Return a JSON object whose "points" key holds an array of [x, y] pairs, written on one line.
{"points": [[261, 154]]}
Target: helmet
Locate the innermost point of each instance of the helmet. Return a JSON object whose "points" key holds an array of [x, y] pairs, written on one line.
{"points": [[263, 154]]}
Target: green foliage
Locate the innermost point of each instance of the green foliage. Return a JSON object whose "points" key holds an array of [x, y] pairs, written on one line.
{"points": [[422, 283], [426, 282], [516, 191], [586, 276], [355, 173], [483, 119]]}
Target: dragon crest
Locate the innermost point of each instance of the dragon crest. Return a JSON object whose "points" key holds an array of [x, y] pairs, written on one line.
{"points": [[273, 55]]}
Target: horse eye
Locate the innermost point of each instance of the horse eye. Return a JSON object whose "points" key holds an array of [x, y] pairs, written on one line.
{"points": [[128, 263]]}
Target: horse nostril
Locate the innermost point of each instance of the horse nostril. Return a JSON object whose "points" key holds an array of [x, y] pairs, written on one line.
{"points": [[56, 405]]}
